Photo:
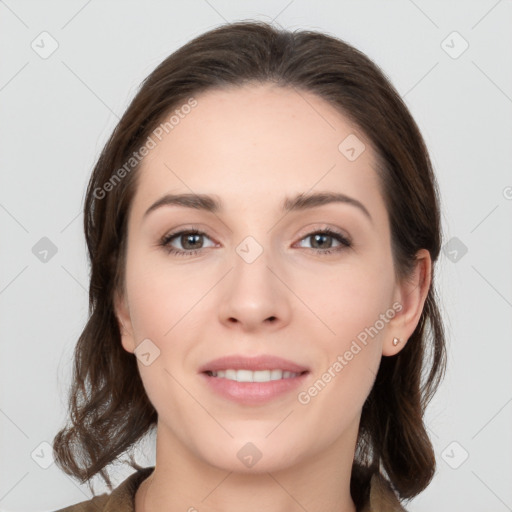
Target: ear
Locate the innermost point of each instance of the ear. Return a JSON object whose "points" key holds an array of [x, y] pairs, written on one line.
{"points": [[411, 295], [122, 313]]}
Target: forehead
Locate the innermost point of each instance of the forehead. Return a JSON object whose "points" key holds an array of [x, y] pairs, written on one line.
{"points": [[261, 142]]}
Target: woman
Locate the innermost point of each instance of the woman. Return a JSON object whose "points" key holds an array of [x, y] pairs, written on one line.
{"points": [[262, 227]]}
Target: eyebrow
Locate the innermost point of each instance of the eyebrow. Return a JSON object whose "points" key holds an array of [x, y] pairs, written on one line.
{"points": [[299, 202]]}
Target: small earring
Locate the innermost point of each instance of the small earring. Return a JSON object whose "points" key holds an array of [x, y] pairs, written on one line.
{"points": [[396, 341]]}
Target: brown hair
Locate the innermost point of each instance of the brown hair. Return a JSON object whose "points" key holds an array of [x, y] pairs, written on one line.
{"points": [[108, 406]]}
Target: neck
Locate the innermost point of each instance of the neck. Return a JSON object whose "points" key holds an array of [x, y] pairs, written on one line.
{"points": [[182, 481]]}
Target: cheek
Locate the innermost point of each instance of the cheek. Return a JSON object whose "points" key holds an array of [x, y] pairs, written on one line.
{"points": [[159, 310], [335, 397], [161, 297], [352, 309], [350, 341], [343, 301], [165, 305]]}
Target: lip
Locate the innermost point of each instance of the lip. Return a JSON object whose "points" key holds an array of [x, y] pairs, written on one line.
{"points": [[261, 362], [253, 393]]}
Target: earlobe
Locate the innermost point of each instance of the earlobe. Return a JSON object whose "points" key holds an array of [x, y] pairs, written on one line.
{"points": [[392, 346], [412, 294], [123, 320]]}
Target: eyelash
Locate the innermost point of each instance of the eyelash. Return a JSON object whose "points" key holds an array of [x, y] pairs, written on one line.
{"points": [[164, 242]]}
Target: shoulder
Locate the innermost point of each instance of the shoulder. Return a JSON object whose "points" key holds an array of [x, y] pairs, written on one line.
{"points": [[95, 504], [121, 499]]}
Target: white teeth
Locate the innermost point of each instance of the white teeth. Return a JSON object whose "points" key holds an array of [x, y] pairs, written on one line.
{"points": [[256, 376]]}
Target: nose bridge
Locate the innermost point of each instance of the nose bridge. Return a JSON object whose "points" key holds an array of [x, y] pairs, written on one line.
{"points": [[251, 273], [254, 294]]}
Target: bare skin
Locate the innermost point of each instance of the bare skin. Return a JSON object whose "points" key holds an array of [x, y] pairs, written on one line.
{"points": [[251, 148]]}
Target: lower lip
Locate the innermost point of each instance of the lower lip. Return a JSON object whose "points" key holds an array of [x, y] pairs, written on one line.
{"points": [[251, 393]]}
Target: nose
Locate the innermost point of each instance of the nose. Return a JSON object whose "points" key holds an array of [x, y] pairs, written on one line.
{"points": [[255, 295]]}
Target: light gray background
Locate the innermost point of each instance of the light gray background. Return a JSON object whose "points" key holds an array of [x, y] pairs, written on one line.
{"points": [[56, 114]]}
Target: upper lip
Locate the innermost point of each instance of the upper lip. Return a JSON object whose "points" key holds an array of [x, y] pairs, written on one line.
{"points": [[261, 362]]}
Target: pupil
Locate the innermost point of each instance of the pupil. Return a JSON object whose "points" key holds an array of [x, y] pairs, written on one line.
{"points": [[317, 237], [188, 238]]}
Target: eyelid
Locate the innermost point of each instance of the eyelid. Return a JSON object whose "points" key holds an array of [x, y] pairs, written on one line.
{"points": [[168, 236], [315, 228], [344, 240]]}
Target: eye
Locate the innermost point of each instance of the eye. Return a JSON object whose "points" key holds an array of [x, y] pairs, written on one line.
{"points": [[190, 240], [320, 237]]}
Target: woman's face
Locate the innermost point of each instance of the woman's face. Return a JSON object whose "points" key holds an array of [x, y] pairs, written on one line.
{"points": [[259, 279]]}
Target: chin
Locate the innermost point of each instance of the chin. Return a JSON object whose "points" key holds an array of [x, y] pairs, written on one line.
{"points": [[250, 457]]}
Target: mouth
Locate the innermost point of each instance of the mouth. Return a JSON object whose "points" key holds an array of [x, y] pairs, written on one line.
{"points": [[253, 380], [252, 393]]}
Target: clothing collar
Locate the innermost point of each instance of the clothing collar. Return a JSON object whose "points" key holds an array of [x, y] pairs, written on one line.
{"points": [[122, 498]]}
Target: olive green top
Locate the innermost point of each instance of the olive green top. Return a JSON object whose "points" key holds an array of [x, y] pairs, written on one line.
{"points": [[122, 498]]}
